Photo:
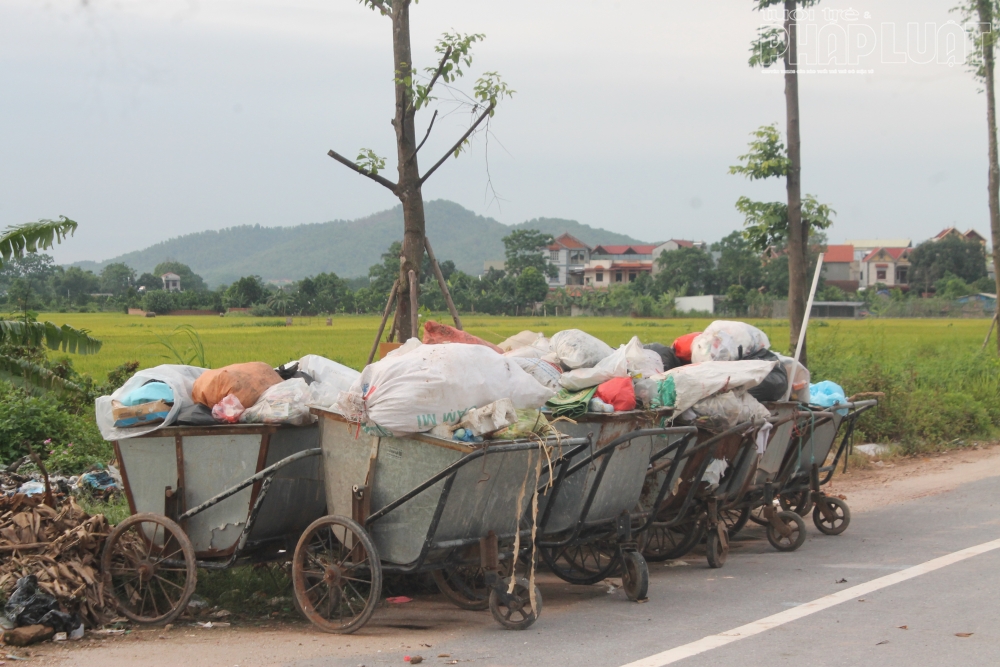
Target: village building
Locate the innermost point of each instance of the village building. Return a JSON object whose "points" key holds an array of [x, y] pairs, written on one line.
{"points": [[171, 282]]}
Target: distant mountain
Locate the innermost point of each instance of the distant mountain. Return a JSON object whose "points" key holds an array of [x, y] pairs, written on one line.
{"points": [[347, 248]]}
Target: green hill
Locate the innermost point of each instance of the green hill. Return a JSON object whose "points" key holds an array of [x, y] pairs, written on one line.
{"points": [[347, 248]]}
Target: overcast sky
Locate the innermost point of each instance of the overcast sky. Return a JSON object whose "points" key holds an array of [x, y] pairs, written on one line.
{"points": [[146, 119]]}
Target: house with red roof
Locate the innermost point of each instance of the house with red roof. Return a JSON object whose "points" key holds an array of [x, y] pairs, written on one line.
{"points": [[610, 264], [570, 255], [970, 235], [840, 268], [888, 266]]}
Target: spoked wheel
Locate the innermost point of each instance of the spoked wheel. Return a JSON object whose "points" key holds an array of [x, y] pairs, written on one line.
{"points": [[717, 546], [513, 610], [735, 519], [757, 515], [465, 585], [796, 536], [582, 564], [336, 574], [148, 563], [635, 576], [801, 503], [665, 543], [838, 522]]}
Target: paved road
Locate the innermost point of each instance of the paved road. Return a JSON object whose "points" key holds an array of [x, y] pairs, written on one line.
{"points": [[588, 626]]}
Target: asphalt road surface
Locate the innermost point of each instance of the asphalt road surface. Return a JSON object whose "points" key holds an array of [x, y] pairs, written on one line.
{"points": [[916, 621]]}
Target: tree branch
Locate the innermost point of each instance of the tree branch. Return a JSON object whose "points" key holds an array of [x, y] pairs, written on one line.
{"points": [[458, 143], [415, 150], [381, 7], [375, 177], [444, 60]]}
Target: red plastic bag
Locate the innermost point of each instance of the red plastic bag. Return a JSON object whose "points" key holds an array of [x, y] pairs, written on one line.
{"points": [[682, 346], [435, 333], [618, 393], [228, 409]]}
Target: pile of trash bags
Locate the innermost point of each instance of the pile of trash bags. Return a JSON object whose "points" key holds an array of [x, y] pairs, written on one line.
{"points": [[456, 385], [246, 393], [717, 377]]}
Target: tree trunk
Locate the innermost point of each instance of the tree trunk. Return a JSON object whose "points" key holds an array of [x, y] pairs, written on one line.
{"points": [[989, 60], [409, 174], [798, 235]]}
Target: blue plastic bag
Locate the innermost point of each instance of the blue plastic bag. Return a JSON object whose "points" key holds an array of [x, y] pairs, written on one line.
{"points": [[827, 394], [149, 392]]}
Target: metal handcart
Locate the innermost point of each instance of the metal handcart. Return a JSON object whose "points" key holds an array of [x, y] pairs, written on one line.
{"points": [[415, 504], [207, 497], [588, 507]]}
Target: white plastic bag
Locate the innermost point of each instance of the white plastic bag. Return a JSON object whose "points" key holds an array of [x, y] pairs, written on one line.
{"points": [[724, 411], [180, 379], [578, 349], [489, 418], [283, 403], [538, 349], [229, 409], [519, 340], [615, 365], [743, 340], [642, 363], [408, 346], [697, 381], [800, 381], [437, 384], [328, 371], [541, 370]]}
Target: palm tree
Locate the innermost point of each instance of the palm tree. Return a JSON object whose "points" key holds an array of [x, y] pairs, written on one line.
{"points": [[280, 300], [14, 242]]}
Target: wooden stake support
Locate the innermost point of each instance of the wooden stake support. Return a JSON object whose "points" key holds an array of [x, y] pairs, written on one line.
{"points": [[990, 332], [385, 316], [442, 284]]}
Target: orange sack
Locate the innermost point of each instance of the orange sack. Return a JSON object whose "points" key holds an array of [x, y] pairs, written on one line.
{"points": [[246, 381], [682, 346], [435, 333]]}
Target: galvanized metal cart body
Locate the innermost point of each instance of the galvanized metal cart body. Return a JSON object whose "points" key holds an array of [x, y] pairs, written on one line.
{"points": [[209, 497], [416, 503], [590, 506]]}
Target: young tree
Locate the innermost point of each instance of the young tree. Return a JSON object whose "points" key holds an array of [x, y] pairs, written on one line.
{"points": [[117, 278], [770, 45], [980, 15], [933, 260], [531, 286], [739, 263], [414, 92], [525, 248], [245, 292], [791, 224]]}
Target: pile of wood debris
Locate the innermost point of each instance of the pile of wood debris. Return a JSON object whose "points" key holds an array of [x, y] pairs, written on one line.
{"points": [[62, 547]]}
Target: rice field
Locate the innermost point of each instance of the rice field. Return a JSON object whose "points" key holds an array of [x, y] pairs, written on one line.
{"points": [[227, 340]]}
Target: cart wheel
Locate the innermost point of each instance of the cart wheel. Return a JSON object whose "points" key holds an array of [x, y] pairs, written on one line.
{"points": [[148, 563], [582, 564], [673, 542], [842, 516], [794, 539], [801, 503], [513, 610], [635, 576], [735, 520], [465, 585], [336, 575], [717, 546], [757, 515]]}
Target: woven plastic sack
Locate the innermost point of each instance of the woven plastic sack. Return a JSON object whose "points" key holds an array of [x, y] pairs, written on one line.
{"points": [[541, 370], [578, 349], [435, 334], [614, 365], [436, 384], [245, 381], [524, 339]]}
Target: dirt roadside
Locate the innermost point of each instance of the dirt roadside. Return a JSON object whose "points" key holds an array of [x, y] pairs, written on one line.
{"points": [[428, 624]]}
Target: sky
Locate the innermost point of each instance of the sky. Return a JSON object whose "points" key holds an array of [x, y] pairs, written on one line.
{"points": [[148, 119]]}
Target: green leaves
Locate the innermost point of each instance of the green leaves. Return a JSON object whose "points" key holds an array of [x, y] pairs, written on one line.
{"points": [[767, 156], [369, 162], [767, 222], [976, 16], [768, 48], [490, 89], [192, 354], [34, 236], [36, 334]]}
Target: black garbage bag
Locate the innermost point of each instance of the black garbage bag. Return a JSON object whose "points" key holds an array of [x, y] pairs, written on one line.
{"points": [[28, 605], [775, 385], [666, 353], [196, 415]]}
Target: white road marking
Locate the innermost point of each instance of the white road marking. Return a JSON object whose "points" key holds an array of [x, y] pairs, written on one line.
{"points": [[750, 629]]}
